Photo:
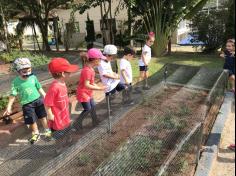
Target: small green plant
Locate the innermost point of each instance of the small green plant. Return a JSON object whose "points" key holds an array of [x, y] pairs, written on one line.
{"points": [[136, 155], [84, 159], [154, 118], [184, 110], [3, 103], [181, 165], [168, 122]]}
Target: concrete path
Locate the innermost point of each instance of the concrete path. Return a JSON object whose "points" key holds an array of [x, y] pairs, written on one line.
{"points": [[225, 162]]}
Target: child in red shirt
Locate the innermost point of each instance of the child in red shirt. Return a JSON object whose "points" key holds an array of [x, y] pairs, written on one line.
{"points": [[56, 100], [86, 87]]}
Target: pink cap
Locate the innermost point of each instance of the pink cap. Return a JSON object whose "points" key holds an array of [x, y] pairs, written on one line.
{"points": [[151, 34], [95, 53]]}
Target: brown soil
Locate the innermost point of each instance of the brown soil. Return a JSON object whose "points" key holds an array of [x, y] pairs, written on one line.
{"points": [[4, 68], [138, 122]]}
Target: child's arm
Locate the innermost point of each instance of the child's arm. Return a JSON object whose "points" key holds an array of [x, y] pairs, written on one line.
{"points": [[42, 92], [124, 76], [144, 58], [50, 115], [112, 76], [9, 106], [93, 87]]}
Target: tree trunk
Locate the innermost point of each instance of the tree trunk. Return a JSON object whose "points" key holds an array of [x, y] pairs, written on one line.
{"points": [[169, 45], [35, 34], [111, 25], [56, 31], [44, 32], [160, 45], [21, 44], [5, 30], [130, 26]]}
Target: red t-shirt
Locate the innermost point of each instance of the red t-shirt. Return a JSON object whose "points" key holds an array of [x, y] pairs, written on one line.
{"points": [[83, 93], [57, 98]]}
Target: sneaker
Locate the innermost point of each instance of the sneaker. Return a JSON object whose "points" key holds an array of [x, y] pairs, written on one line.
{"points": [[48, 134], [129, 102], [35, 138], [146, 88]]}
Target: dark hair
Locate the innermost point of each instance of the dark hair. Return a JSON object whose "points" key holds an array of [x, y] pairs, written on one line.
{"points": [[56, 75], [85, 59], [128, 50]]}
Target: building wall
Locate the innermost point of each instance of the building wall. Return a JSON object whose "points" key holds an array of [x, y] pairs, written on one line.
{"points": [[94, 14]]}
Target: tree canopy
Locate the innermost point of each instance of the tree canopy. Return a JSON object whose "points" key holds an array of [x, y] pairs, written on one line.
{"points": [[37, 11], [161, 17]]}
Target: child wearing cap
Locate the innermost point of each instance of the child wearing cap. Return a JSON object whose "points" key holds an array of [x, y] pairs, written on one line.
{"points": [[110, 79], [146, 59], [27, 87], [126, 74], [56, 100], [86, 87]]}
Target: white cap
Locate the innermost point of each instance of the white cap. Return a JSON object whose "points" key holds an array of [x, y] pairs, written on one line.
{"points": [[21, 63], [110, 50]]}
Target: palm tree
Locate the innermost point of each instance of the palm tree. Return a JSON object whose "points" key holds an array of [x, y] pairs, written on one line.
{"points": [[163, 17]]}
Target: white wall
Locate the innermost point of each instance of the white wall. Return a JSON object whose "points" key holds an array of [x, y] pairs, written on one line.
{"points": [[94, 14]]}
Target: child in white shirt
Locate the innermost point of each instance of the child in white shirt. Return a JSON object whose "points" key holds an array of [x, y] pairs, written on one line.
{"points": [[126, 73], [146, 59], [109, 78]]}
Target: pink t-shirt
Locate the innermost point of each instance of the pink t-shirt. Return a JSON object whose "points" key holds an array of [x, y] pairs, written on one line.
{"points": [[57, 98], [83, 93]]}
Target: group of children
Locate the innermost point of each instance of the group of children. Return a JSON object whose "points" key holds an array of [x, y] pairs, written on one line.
{"points": [[52, 108]]}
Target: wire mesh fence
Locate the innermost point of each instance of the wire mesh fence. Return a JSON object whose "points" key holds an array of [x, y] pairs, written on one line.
{"points": [[159, 132]]}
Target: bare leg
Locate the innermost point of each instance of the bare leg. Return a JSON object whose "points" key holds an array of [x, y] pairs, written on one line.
{"points": [[146, 78], [44, 123], [142, 76], [232, 82], [34, 128]]}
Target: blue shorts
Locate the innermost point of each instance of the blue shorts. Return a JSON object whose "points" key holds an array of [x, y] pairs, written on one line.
{"points": [[34, 111], [143, 68], [118, 88]]}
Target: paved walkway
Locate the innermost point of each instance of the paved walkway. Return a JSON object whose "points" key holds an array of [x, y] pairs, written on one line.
{"points": [[225, 163]]}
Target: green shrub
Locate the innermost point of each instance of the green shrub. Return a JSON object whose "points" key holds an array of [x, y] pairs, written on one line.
{"points": [[36, 59], [184, 110], [3, 103]]}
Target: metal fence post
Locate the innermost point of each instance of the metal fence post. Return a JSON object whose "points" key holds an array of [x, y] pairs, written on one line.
{"points": [[199, 144], [108, 113]]}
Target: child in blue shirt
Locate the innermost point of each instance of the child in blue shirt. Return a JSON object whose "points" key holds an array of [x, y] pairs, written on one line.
{"points": [[229, 56]]}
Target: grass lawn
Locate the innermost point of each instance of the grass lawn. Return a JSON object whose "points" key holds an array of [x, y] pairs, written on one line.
{"points": [[193, 59]]}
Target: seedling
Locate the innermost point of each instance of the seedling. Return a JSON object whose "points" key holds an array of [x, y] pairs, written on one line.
{"points": [[84, 159], [184, 110]]}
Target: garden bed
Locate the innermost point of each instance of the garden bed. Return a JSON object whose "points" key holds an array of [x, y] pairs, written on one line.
{"points": [[144, 138]]}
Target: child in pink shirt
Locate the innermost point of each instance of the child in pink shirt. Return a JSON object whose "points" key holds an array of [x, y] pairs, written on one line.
{"points": [[56, 100], [87, 85]]}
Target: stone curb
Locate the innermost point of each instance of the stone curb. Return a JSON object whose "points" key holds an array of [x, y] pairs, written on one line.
{"points": [[210, 154]]}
